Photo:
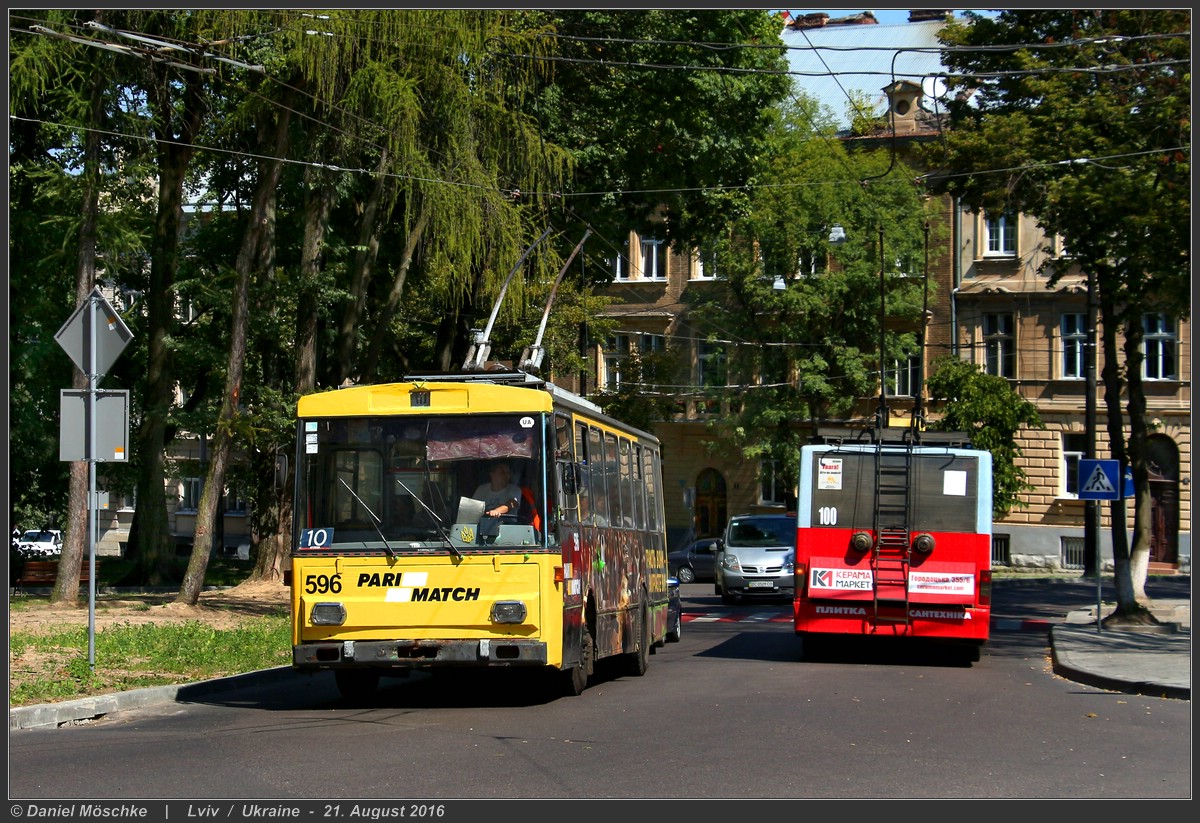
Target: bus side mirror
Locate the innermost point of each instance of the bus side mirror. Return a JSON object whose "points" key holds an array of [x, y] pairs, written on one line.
{"points": [[570, 478], [281, 471]]}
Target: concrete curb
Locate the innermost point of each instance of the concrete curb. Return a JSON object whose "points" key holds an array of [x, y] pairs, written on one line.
{"points": [[1120, 660], [89, 709]]}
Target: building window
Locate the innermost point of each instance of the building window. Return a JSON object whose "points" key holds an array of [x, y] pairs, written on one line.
{"points": [[772, 489], [1074, 447], [234, 502], [190, 501], [1074, 345], [616, 352], [812, 264], [186, 310], [1158, 347], [710, 373], [903, 377], [704, 265], [1001, 234], [1072, 552], [618, 264], [710, 361], [651, 344], [1001, 550], [999, 345], [654, 259]]}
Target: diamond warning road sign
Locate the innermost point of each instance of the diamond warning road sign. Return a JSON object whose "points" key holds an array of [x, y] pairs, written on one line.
{"points": [[1100, 480]]}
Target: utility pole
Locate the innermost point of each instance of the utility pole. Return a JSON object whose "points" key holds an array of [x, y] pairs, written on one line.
{"points": [[881, 415], [1091, 508]]}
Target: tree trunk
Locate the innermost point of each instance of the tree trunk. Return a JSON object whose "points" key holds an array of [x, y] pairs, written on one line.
{"points": [[1139, 555], [318, 202], [1111, 321], [150, 541], [256, 255], [364, 268], [389, 309], [66, 584]]}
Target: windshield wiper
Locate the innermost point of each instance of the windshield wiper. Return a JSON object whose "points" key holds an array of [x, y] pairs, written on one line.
{"points": [[437, 521], [375, 521]]}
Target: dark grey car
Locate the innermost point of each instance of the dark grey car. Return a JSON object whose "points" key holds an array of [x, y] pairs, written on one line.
{"points": [[696, 562]]}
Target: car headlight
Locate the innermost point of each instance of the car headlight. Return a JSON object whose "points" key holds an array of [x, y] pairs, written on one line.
{"points": [[730, 561]]}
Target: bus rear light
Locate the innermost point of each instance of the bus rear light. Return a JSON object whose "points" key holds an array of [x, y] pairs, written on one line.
{"points": [[328, 614], [508, 611], [558, 574], [924, 543], [798, 578], [985, 587], [861, 542]]}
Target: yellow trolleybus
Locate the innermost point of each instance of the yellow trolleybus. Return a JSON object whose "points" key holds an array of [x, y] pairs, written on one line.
{"points": [[474, 519]]}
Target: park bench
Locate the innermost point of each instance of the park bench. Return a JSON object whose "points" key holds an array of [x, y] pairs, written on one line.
{"points": [[39, 573]]}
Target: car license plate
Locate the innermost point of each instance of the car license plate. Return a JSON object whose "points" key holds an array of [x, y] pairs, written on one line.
{"points": [[761, 584]]}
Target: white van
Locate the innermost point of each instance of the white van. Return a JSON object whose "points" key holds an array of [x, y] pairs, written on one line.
{"points": [[758, 557]]}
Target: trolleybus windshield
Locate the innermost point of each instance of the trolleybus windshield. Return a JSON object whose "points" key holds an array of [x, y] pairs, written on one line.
{"points": [[402, 484]]}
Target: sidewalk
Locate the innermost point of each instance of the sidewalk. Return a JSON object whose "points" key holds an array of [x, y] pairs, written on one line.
{"points": [[1155, 661]]}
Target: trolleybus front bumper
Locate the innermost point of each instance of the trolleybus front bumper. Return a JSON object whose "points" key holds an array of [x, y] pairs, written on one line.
{"points": [[415, 654]]}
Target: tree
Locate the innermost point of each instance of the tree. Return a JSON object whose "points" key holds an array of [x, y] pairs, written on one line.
{"points": [[1085, 115], [796, 319], [60, 176], [991, 413], [664, 112]]}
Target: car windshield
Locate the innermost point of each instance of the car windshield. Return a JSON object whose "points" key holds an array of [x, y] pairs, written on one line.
{"points": [[774, 531], [37, 536]]}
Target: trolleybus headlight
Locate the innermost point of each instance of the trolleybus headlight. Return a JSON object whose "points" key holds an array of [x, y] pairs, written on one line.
{"points": [[508, 611], [861, 542], [328, 614], [924, 543]]}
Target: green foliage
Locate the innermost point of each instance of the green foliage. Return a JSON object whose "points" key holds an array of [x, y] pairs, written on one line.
{"points": [[640, 399], [1085, 117], [466, 117], [986, 407], [1088, 120], [796, 318], [703, 88]]}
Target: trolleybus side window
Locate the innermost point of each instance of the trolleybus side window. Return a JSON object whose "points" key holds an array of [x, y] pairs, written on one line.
{"points": [[626, 482], [611, 479], [639, 488]]}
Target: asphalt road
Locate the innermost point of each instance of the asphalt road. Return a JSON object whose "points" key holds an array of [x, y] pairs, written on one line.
{"points": [[730, 712]]}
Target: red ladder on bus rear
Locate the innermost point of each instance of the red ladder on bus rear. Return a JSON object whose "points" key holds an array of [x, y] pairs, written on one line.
{"points": [[891, 554]]}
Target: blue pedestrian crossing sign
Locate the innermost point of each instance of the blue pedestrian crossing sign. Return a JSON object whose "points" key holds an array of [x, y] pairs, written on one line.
{"points": [[1100, 480]]}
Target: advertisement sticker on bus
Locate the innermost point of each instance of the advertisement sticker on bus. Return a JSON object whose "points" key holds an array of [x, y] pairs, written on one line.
{"points": [[940, 583], [829, 473], [842, 579]]}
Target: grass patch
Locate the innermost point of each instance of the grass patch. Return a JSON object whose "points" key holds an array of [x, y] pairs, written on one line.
{"points": [[54, 666]]}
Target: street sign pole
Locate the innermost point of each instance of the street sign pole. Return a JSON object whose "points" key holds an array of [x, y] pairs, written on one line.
{"points": [[93, 349], [90, 450], [1099, 480]]}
